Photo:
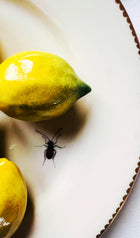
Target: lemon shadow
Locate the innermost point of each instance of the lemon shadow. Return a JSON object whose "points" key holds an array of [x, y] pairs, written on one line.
{"points": [[72, 122], [2, 142], [27, 223], [2, 55], [19, 132]]}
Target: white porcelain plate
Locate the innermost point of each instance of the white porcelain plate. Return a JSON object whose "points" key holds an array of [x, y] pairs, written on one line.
{"points": [[101, 132]]}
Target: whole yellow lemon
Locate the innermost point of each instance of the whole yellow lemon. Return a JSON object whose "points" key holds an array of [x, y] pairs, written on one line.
{"points": [[13, 198], [36, 86]]}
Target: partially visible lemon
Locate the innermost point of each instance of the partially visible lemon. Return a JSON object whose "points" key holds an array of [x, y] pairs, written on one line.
{"points": [[13, 198], [36, 86]]}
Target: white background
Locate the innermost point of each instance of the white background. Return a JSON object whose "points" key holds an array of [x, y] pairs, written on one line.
{"points": [[127, 224]]}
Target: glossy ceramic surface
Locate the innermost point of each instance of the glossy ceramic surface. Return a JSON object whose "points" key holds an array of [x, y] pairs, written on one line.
{"points": [[101, 132]]}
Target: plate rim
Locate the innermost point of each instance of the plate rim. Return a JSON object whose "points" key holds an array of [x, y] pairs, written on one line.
{"points": [[137, 170]]}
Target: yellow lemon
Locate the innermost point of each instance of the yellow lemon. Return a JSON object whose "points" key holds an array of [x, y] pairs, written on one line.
{"points": [[37, 86], [13, 198]]}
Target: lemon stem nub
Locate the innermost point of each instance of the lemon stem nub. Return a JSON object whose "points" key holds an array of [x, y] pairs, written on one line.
{"points": [[84, 89]]}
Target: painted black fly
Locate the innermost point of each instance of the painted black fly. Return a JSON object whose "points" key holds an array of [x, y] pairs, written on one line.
{"points": [[50, 145]]}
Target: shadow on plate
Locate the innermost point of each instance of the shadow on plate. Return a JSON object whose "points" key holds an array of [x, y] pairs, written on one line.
{"points": [[2, 142], [27, 224], [20, 133], [2, 56], [72, 122]]}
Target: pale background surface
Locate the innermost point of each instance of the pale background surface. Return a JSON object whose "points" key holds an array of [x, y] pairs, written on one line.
{"points": [[127, 224]]}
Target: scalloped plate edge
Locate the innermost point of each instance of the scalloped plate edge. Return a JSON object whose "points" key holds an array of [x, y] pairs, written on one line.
{"points": [[124, 199], [137, 170]]}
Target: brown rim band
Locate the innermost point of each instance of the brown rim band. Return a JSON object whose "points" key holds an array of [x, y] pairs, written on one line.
{"points": [[137, 170], [125, 14], [124, 199]]}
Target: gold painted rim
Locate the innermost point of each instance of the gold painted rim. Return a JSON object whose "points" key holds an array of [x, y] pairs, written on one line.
{"points": [[137, 170]]}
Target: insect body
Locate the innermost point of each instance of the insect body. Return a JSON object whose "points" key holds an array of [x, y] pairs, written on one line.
{"points": [[50, 145]]}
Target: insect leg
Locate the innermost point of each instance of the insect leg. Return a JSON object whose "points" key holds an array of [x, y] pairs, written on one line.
{"points": [[59, 146], [56, 135], [55, 142], [46, 138], [53, 158], [53, 162], [44, 157], [39, 145]]}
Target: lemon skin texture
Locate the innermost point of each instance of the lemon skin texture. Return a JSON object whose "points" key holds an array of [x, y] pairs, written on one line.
{"points": [[13, 198], [36, 86]]}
